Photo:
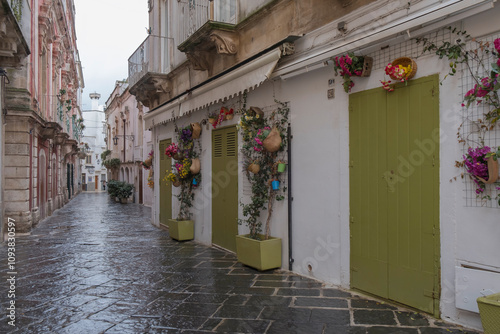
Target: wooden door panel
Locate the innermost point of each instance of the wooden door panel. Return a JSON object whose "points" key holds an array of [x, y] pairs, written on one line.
{"points": [[394, 195], [225, 187]]}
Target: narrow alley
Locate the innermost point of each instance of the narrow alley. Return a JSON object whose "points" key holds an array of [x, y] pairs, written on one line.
{"points": [[99, 266]]}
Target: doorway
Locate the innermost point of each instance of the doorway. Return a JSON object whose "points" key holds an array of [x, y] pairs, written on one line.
{"points": [[225, 187], [394, 193]]}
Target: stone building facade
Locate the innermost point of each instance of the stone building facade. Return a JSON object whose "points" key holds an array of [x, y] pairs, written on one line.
{"points": [[371, 208], [128, 141], [42, 113]]}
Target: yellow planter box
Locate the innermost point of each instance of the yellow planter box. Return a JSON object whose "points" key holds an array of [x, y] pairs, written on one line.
{"points": [[181, 230], [259, 254], [489, 310]]}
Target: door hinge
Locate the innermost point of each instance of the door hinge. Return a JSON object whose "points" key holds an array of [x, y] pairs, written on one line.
{"points": [[352, 220], [351, 164], [432, 294], [433, 90]]}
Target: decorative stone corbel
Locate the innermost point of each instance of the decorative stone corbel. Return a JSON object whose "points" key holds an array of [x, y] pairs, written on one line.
{"points": [[225, 42], [162, 85], [201, 60]]}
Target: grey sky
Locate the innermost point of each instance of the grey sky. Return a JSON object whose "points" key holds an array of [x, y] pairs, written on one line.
{"points": [[108, 32]]}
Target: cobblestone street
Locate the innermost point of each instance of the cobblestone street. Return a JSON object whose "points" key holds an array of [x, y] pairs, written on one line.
{"points": [[99, 266]]}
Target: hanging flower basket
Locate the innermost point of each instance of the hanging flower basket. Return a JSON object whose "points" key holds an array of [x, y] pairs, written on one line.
{"points": [[195, 130], [229, 116], [148, 162], [492, 172], [254, 168], [272, 143], [212, 120], [405, 62], [195, 166], [176, 183]]}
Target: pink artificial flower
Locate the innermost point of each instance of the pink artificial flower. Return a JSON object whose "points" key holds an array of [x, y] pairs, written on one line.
{"points": [[471, 92], [497, 44], [348, 59]]}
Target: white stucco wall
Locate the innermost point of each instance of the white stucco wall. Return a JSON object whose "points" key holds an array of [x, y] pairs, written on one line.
{"points": [[320, 174]]}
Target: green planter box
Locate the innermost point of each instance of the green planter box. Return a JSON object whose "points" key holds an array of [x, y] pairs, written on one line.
{"points": [[259, 254], [489, 310], [181, 229]]}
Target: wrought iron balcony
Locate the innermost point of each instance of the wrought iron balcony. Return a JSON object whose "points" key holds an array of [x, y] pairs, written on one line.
{"points": [[152, 56], [155, 54]]}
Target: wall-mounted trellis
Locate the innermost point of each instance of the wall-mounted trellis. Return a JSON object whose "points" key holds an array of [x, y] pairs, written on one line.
{"points": [[471, 130]]}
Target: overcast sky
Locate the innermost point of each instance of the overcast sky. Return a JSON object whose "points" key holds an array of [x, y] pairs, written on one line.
{"points": [[108, 32]]}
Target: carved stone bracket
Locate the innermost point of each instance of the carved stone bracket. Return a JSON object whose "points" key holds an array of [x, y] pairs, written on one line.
{"points": [[225, 42], [50, 130], [212, 40]]}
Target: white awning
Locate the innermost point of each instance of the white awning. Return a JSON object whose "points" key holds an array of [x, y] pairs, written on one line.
{"points": [[245, 77]]}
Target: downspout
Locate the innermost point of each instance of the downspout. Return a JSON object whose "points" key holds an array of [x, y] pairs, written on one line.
{"points": [[290, 198]]}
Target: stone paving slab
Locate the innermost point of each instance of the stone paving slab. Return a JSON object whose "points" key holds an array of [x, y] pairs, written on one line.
{"points": [[97, 266]]}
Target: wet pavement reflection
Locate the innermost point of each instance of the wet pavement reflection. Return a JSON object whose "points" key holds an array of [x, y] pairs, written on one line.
{"points": [[97, 266]]}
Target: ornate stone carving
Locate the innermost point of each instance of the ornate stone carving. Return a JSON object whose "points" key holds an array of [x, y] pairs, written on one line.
{"points": [[225, 42], [161, 85], [201, 60], [287, 49]]}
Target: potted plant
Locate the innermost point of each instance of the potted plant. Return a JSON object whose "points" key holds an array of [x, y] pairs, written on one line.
{"points": [[229, 114], [489, 311], [124, 191], [349, 66], [482, 166], [258, 249], [185, 174], [212, 117], [112, 188]]}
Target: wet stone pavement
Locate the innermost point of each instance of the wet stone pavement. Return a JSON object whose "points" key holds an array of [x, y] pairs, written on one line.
{"points": [[98, 266]]}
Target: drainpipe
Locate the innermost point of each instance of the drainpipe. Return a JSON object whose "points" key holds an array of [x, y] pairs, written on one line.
{"points": [[290, 198], [124, 133]]}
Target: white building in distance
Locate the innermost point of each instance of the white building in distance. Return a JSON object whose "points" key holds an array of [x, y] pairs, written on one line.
{"points": [[93, 172]]}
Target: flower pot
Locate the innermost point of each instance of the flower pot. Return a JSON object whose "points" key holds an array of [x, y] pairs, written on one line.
{"points": [[254, 168], [276, 185], [492, 172], [281, 167], [195, 130], [124, 200], [272, 143], [148, 162], [229, 117], [181, 230], [489, 310], [176, 183], [259, 254], [405, 61], [195, 166], [212, 120]]}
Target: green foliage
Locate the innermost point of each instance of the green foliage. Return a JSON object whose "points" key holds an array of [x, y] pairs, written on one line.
{"points": [[112, 163], [105, 154], [251, 125], [17, 9], [188, 149], [120, 189]]}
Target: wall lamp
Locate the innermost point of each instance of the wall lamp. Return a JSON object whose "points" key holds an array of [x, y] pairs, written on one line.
{"points": [[115, 138]]}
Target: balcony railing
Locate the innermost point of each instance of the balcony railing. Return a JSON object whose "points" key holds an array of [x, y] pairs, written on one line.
{"points": [[193, 14], [152, 56]]}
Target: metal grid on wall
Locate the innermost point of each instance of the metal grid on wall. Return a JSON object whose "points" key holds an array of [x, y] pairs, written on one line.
{"points": [[411, 49], [470, 126], [408, 48]]}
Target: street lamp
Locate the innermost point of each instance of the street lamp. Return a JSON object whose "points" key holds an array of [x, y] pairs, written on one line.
{"points": [[115, 138]]}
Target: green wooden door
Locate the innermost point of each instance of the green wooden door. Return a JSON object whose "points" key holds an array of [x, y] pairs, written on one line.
{"points": [[225, 187], [394, 193], [165, 190]]}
